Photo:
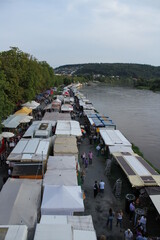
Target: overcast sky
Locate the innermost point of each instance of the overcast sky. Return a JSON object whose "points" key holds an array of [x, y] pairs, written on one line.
{"points": [[83, 31]]}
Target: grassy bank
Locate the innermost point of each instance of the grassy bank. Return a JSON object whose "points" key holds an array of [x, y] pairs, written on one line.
{"points": [[137, 151]]}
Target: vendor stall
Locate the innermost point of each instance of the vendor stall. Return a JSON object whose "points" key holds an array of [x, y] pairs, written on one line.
{"points": [[62, 200]]}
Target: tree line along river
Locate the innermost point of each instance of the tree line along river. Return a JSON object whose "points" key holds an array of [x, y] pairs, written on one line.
{"points": [[136, 114]]}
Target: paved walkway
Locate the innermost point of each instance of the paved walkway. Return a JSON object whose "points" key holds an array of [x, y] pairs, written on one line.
{"points": [[99, 206]]}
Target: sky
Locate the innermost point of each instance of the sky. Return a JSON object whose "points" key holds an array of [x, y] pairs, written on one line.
{"points": [[83, 31]]}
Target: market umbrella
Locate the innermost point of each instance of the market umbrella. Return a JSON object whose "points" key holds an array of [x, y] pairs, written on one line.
{"points": [[7, 134]]}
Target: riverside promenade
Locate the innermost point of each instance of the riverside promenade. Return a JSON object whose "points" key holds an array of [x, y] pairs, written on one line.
{"points": [[98, 207]]}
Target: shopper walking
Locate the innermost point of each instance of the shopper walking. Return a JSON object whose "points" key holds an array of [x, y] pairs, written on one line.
{"points": [[101, 186], [119, 219], [95, 189], [98, 149], [90, 156], [131, 210], [110, 218]]}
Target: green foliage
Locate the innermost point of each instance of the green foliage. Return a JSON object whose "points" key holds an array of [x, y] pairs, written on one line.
{"points": [[137, 151], [21, 78], [66, 80]]}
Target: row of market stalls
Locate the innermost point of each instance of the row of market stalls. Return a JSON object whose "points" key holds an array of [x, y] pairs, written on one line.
{"points": [[43, 196], [139, 173], [63, 197], [15, 125]]}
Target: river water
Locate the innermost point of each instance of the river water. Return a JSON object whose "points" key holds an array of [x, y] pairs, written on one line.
{"points": [[136, 114]]}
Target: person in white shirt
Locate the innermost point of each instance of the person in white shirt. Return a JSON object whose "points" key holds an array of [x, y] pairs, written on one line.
{"points": [[98, 148], [101, 186], [128, 235]]}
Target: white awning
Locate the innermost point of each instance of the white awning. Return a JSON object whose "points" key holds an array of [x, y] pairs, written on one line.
{"points": [[138, 171], [60, 177], [68, 128], [114, 137], [118, 148], [156, 201]]}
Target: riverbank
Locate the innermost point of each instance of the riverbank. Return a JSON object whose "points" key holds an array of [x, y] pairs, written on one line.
{"points": [[135, 113], [100, 206]]}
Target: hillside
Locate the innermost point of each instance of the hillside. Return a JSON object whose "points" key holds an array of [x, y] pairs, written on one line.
{"points": [[138, 75], [111, 69]]}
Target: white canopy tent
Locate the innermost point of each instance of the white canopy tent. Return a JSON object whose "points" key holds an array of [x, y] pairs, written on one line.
{"points": [[60, 177], [16, 232], [68, 128], [114, 138], [54, 232], [20, 202], [61, 232], [62, 200], [77, 222], [61, 162]]}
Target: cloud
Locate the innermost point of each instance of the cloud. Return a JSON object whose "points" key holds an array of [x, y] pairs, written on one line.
{"points": [[73, 31]]}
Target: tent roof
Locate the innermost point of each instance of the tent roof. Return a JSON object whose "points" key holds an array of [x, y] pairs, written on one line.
{"points": [[13, 121], [16, 232], [85, 235], [86, 112], [156, 201], [48, 106], [30, 150], [61, 162], [55, 116], [24, 110], [68, 128], [66, 108], [113, 137], [31, 105], [65, 145], [34, 127], [154, 194], [116, 149], [45, 231], [54, 232], [77, 222], [138, 171], [15, 194], [62, 200], [60, 177]]}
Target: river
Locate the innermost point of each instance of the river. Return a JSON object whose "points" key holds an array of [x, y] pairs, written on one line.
{"points": [[136, 114]]}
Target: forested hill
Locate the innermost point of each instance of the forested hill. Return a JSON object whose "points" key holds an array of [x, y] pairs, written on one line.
{"points": [[112, 69]]}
